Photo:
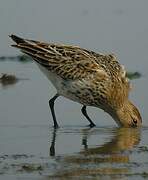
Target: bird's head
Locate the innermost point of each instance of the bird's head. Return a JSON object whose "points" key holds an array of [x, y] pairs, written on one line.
{"points": [[128, 116]]}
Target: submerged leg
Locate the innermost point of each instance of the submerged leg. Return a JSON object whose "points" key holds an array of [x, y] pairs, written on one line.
{"points": [[84, 112], [51, 105]]}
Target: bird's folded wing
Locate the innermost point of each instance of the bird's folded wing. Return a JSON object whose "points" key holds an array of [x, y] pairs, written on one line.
{"points": [[69, 62]]}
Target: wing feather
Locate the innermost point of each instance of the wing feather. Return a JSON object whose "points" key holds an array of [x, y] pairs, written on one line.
{"points": [[69, 62]]}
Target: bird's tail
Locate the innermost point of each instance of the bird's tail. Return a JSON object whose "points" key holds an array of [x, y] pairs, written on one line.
{"points": [[17, 39], [35, 49]]}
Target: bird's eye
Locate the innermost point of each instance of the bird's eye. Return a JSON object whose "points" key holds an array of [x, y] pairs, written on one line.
{"points": [[134, 121]]}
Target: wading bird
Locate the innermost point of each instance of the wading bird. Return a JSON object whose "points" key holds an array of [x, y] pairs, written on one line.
{"points": [[84, 76]]}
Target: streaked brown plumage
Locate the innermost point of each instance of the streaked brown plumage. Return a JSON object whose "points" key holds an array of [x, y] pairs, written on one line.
{"points": [[84, 76]]}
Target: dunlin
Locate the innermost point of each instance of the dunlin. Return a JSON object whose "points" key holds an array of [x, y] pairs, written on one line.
{"points": [[86, 77]]}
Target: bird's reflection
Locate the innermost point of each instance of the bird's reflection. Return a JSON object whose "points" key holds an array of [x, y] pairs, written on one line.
{"points": [[117, 151], [123, 139], [52, 147]]}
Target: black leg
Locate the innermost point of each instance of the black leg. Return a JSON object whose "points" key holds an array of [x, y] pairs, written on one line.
{"points": [[51, 105], [84, 112]]}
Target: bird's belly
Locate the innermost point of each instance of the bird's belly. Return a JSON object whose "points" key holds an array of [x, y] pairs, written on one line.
{"points": [[56, 80], [76, 90]]}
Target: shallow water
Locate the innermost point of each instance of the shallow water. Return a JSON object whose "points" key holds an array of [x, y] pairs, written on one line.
{"points": [[29, 146], [73, 152]]}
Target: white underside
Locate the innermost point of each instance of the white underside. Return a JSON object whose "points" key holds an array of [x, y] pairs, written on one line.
{"points": [[55, 80], [66, 88], [59, 83]]}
